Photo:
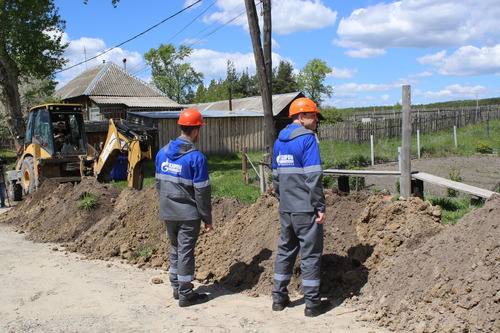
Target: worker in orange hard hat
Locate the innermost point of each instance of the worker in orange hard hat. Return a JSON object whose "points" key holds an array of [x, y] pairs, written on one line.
{"points": [[306, 111], [297, 178], [184, 191]]}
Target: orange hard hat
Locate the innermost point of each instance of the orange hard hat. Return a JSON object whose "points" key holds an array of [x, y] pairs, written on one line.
{"points": [[191, 117], [302, 104]]}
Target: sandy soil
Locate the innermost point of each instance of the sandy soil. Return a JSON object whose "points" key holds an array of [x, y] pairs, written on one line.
{"points": [[385, 263], [46, 289]]}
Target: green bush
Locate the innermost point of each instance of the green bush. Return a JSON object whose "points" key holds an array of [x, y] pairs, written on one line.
{"points": [[327, 182], [483, 147], [87, 201], [454, 175], [453, 209]]}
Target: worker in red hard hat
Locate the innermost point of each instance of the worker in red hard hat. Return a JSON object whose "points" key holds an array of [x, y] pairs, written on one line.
{"points": [[297, 178], [184, 191]]}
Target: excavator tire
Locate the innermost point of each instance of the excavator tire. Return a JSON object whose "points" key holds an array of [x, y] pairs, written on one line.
{"points": [[28, 175]]}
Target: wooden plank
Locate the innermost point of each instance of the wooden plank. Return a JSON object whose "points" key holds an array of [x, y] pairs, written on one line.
{"points": [[469, 189], [361, 173]]}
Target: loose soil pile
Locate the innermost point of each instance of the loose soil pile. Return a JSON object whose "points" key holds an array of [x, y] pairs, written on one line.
{"points": [[409, 272]]}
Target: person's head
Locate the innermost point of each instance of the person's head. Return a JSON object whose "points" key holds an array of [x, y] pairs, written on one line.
{"points": [[60, 125], [304, 111], [190, 122]]}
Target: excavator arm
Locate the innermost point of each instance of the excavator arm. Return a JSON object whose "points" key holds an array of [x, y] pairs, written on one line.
{"points": [[122, 141]]}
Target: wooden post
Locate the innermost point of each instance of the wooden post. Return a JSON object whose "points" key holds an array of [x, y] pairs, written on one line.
{"points": [[418, 143], [262, 179], [487, 123], [372, 153], [405, 180], [343, 182], [244, 165], [455, 136]]}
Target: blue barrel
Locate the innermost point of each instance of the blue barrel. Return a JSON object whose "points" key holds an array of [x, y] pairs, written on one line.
{"points": [[119, 171]]}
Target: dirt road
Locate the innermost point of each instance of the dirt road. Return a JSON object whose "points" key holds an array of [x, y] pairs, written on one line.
{"points": [[45, 289]]}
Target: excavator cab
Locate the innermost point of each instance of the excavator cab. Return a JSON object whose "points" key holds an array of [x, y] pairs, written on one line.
{"points": [[58, 129], [55, 146], [68, 133], [46, 153]]}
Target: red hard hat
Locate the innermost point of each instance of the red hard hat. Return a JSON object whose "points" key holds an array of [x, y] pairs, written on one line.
{"points": [[190, 117], [302, 104]]}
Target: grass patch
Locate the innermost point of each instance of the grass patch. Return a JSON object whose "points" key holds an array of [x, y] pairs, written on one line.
{"points": [[471, 140], [227, 179], [87, 201], [453, 209], [141, 252], [226, 175]]}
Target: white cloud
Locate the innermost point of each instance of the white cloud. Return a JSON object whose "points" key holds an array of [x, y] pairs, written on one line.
{"points": [[342, 73], [354, 88], [85, 48], [423, 74], [453, 92], [291, 16], [366, 53], [213, 64], [288, 16], [467, 60], [421, 24]]}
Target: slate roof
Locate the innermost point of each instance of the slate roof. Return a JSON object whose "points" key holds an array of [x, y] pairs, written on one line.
{"points": [[204, 113], [250, 104], [110, 84]]}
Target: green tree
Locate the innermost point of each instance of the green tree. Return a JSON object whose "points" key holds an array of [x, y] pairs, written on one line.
{"points": [[284, 80], [311, 80], [216, 91], [248, 85], [170, 74], [30, 48], [201, 94], [331, 114]]}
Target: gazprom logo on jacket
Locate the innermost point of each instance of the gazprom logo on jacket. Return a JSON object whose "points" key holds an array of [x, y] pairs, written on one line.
{"points": [[284, 160], [171, 167]]}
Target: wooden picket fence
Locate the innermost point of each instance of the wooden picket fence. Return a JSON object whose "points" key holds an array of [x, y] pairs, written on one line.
{"points": [[425, 121]]}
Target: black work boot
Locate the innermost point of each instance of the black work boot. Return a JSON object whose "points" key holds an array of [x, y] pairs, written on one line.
{"points": [[282, 305], [196, 299], [323, 307], [176, 294]]}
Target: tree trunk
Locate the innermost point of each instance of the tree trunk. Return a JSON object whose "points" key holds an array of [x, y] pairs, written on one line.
{"points": [[262, 62], [9, 83]]}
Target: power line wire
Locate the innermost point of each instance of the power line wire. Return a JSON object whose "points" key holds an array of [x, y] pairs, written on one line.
{"points": [[207, 34], [187, 25], [130, 39]]}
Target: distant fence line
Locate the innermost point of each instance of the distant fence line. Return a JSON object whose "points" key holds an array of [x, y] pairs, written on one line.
{"points": [[424, 120], [230, 135]]}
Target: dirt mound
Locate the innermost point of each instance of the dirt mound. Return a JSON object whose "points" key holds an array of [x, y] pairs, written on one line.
{"points": [[407, 268], [51, 213], [449, 284], [134, 232], [360, 232]]}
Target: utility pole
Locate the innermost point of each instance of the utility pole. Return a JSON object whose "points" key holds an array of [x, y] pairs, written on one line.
{"points": [[405, 179], [263, 63]]}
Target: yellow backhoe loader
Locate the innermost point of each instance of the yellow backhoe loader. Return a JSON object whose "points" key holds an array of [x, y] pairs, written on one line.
{"points": [[55, 146]]}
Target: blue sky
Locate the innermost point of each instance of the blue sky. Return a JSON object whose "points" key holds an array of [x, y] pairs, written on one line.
{"points": [[445, 49]]}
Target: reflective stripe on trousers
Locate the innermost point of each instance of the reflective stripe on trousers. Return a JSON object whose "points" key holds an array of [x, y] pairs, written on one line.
{"points": [[182, 236], [299, 232]]}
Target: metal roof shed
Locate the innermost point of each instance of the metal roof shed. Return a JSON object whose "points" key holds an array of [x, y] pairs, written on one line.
{"points": [[225, 131]]}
